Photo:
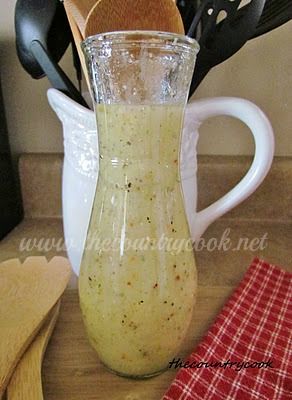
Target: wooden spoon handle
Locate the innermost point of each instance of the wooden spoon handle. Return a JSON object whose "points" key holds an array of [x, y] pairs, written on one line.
{"points": [[77, 39], [79, 9], [26, 381]]}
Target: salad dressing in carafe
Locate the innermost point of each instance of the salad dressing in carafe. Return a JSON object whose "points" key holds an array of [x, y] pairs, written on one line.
{"points": [[138, 277]]}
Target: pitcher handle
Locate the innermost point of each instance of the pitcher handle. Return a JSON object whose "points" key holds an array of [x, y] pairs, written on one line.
{"points": [[262, 131]]}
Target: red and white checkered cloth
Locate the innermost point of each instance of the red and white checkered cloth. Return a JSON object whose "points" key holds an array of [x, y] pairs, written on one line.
{"points": [[254, 326]]}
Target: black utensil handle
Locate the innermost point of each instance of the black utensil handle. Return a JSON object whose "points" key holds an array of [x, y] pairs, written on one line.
{"points": [[187, 9], [198, 76], [77, 64], [57, 77], [197, 18]]}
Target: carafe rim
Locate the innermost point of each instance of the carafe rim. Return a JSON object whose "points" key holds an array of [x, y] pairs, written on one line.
{"points": [[141, 36]]}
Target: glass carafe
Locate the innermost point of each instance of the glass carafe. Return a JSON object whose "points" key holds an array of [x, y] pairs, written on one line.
{"points": [[138, 280]]}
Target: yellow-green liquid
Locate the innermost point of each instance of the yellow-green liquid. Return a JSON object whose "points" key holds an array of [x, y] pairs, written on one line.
{"points": [[137, 302]]}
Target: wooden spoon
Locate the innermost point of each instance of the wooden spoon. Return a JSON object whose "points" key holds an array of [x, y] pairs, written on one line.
{"points": [[79, 10], [113, 15], [28, 292], [77, 39], [87, 17], [26, 381]]}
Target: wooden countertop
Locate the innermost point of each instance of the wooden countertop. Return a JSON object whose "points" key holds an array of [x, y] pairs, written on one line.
{"points": [[72, 371]]}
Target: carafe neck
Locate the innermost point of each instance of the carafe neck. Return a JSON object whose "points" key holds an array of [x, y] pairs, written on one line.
{"points": [[139, 142]]}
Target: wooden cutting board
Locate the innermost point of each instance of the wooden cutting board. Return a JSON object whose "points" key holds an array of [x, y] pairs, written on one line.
{"points": [[26, 381], [28, 292]]}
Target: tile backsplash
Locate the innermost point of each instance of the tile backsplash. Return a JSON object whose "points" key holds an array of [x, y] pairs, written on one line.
{"points": [[41, 176]]}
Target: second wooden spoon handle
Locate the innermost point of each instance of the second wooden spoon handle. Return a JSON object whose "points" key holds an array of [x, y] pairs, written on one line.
{"points": [[26, 381]]}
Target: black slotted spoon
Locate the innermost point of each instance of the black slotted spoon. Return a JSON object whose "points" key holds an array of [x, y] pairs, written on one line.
{"points": [[222, 28], [275, 14]]}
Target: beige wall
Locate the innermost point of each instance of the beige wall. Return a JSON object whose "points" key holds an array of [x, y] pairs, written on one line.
{"points": [[261, 72]]}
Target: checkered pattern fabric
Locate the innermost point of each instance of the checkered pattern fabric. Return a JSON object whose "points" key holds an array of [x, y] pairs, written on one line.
{"points": [[247, 353]]}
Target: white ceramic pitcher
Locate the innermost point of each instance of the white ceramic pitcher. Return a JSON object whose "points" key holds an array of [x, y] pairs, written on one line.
{"points": [[80, 169]]}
